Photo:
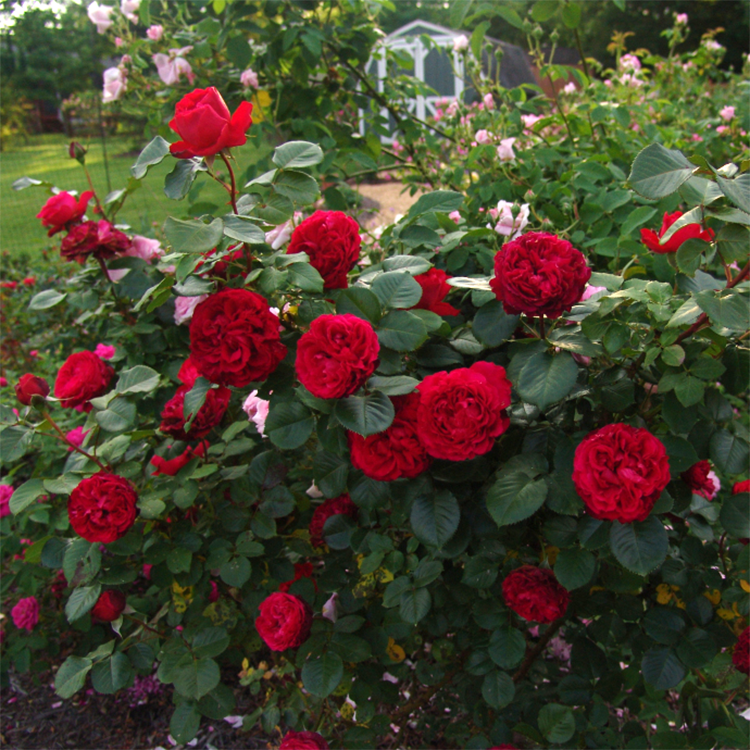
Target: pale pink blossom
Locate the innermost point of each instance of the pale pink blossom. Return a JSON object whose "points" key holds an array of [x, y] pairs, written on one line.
{"points": [[452, 108], [105, 351], [608, 82], [99, 15], [628, 79], [281, 234], [590, 291], [155, 32], [330, 608], [727, 113], [129, 9], [461, 43], [6, 491], [560, 648], [712, 44], [696, 137], [569, 88], [721, 129], [529, 121], [716, 482], [76, 436], [257, 411], [681, 19], [505, 149], [508, 225], [118, 42], [249, 78], [184, 307], [170, 67], [630, 62], [145, 248], [115, 83], [483, 137], [455, 216], [26, 613], [489, 101]]}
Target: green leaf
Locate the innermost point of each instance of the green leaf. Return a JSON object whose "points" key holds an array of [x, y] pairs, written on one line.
{"points": [[71, 676], [295, 154], [185, 722], [543, 10], [661, 668], [351, 647], [365, 415], [338, 530], [178, 182], [732, 242], [193, 236], [236, 572], [443, 201], [639, 547], [152, 154], [556, 723], [664, 625], [696, 648], [435, 518], [14, 442], [729, 452], [574, 567], [81, 601], [690, 254], [700, 191], [46, 299], [289, 425], [414, 604], [658, 171], [321, 676], [498, 689], [508, 14], [24, 495], [413, 264], [402, 331], [81, 562], [477, 39], [396, 385], [681, 453], [492, 325], [516, 495], [119, 416], [111, 674], [735, 516], [729, 308], [138, 379], [689, 390], [397, 289], [305, 278], [194, 400], [360, 302], [571, 15], [26, 182], [543, 379], [193, 678], [737, 190], [243, 229], [210, 642], [299, 187], [507, 647], [331, 473], [635, 219]]}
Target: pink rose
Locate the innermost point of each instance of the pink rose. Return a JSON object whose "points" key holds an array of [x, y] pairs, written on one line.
{"points": [[249, 78], [129, 9], [6, 490], [257, 411], [155, 32], [26, 613], [170, 67], [105, 351], [727, 113], [76, 436], [508, 225], [482, 136], [184, 307], [489, 101], [99, 15], [505, 149]]}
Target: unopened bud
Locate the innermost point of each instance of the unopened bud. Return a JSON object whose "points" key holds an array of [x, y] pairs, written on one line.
{"points": [[77, 151], [29, 386]]}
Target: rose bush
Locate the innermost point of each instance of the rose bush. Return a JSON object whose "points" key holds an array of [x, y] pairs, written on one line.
{"points": [[373, 506]]}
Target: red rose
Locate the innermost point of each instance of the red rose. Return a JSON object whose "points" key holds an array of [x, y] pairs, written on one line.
{"points": [[690, 231], [63, 209], [9, 285], [29, 281], [170, 467], [109, 605], [331, 240], [301, 570], [208, 416], [337, 355], [102, 508], [97, 238], [534, 594], [434, 290], [743, 486], [303, 741], [463, 411], [29, 385], [539, 274], [202, 120], [741, 652], [82, 377], [396, 453], [234, 338], [619, 471], [284, 622], [702, 480], [339, 505]]}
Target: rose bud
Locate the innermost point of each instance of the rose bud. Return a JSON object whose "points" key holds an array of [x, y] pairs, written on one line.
{"points": [[77, 151], [31, 385], [303, 741], [109, 606]]}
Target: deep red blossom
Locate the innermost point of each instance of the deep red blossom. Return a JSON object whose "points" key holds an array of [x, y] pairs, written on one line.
{"points": [[435, 289], [94, 238], [741, 652], [690, 231], [82, 377], [702, 480], [303, 741], [331, 507], [284, 621], [29, 385], [109, 606], [62, 210], [539, 274], [210, 414], [203, 122], [170, 467], [301, 570], [534, 594], [332, 242], [620, 471], [102, 508]]}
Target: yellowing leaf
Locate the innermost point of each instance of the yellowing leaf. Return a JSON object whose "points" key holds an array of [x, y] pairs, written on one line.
{"points": [[713, 596], [745, 586], [394, 651], [726, 614]]}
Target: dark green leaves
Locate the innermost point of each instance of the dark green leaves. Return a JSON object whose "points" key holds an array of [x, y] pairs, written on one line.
{"points": [[729, 308], [435, 518], [492, 325], [365, 415], [541, 378], [444, 201], [574, 567], [178, 182], [193, 236], [243, 229], [289, 425], [25, 495], [658, 171], [735, 516], [71, 676], [295, 154], [498, 689], [507, 647], [639, 547], [557, 723], [152, 154], [138, 379], [321, 676], [661, 668], [402, 331], [397, 289], [518, 492]]}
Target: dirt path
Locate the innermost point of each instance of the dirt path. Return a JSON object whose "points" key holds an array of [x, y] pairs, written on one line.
{"points": [[384, 201]]}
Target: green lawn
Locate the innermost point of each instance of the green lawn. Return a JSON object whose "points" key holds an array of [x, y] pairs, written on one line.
{"points": [[45, 157]]}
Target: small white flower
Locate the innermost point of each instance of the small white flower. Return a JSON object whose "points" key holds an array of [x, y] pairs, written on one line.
{"points": [[461, 43]]}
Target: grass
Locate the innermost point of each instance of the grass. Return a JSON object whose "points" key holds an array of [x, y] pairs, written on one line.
{"points": [[45, 157]]}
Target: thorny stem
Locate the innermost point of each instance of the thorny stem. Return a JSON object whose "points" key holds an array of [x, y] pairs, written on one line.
{"points": [[52, 422], [233, 188], [541, 644], [144, 625], [96, 197]]}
